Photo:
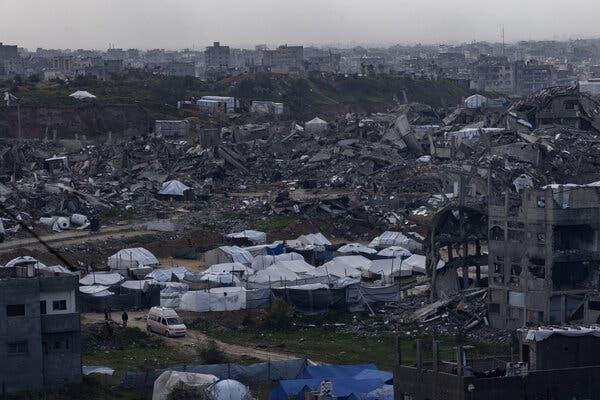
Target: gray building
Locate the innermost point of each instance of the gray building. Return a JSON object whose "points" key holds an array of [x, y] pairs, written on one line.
{"points": [[544, 253], [284, 60], [40, 333], [217, 60]]}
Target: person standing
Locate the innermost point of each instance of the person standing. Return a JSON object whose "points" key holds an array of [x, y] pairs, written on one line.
{"points": [[125, 318]]}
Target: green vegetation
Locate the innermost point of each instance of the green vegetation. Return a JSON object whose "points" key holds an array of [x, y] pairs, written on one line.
{"points": [[210, 353], [303, 96]]}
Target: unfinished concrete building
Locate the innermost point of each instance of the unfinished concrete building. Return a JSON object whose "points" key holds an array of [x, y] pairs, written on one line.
{"points": [[544, 253]]}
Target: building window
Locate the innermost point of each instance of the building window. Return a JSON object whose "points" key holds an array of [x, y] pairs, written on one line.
{"points": [[57, 345], [43, 307], [17, 348], [15, 310], [59, 305]]}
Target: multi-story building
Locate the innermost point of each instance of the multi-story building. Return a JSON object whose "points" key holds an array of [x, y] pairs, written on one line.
{"points": [[8, 52], [544, 254], [284, 60], [493, 74], [217, 60], [62, 64], [40, 340], [532, 76]]}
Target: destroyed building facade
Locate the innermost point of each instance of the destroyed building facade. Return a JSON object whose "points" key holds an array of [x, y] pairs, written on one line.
{"points": [[40, 329], [544, 256]]}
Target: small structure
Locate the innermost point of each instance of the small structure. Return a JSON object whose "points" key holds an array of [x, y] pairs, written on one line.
{"points": [[132, 258], [211, 104], [316, 125], [266, 107], [176, 190], [171, 128], [82, 94], [227, 254]]}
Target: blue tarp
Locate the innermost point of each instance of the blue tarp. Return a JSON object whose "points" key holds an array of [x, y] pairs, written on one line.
{"points": [[343, 388], [384, 376], [333, 371]]}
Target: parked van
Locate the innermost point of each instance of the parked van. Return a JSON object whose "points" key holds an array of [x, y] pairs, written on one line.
{"points": [[165, 321]]}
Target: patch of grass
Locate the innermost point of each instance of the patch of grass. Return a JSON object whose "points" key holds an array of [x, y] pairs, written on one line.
{"points": [[275, 223], [140, 239]]}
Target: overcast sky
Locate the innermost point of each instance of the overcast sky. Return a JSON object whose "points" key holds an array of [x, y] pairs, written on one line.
{"points": [[195, 23]]}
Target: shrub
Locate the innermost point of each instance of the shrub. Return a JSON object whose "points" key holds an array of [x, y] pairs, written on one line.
{"points": [[279, 315], [211, 353]]}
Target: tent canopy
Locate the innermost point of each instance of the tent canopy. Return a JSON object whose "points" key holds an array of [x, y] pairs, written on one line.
{"points": [[356, 248], [82, 94], [256, 237], [228, 389], [228, 268], [296, 266], [395, 251], [132, 258], [169, 380], [274, 274], [99, 278], [263, 261], [173, 188]]}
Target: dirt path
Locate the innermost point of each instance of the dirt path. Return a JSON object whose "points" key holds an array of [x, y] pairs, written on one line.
{"points": [[71, 237], [193, 339]]}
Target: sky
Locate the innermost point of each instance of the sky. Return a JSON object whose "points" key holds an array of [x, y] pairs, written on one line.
{"points": [[177, 24]]}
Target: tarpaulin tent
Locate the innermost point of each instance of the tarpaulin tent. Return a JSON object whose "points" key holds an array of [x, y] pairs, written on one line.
{"points": [[337, 270], [391, 238], [395, 251], [312, 299], [262, 262], [316, 239], [475, 101], [343, 388], [296, 266], [228, 268], [217, 299], [132, 258], [418, 263], [334, 371], [95, 290], [275, 275], [228, 389], [166, 274], [255, 237], [169, 380], [315, 125], [390, 267], [173, 188], [101, 278], [356, 248], [227, 254], [82, 94]]}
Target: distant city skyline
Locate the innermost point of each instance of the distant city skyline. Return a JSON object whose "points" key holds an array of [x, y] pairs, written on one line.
{"points": [[177, 24]]}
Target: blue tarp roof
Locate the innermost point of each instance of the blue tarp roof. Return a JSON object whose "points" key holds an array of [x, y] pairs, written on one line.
{"points": [[384, 376], [333, 371], [343, 388]]}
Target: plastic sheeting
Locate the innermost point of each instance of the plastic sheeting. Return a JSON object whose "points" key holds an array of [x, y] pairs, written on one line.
{"points": [[541, 334], [169, 380], [217, 299], [259, 372], [313, 301], [228, 389], [132, 258], [225, 254], [228, 268], [296, 266], [173, 188], [264, 261], [395, 251], [274, 274], [166, 274], [390, 267], [96, 369], [343, 388], [315, 125], [95, 290], [356, 248], [136, 285], [82, 94], [316, 239], [99, 278], [255, 237]]}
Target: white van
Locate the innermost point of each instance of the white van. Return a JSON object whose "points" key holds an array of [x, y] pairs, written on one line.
{"points": [[165, 321]]}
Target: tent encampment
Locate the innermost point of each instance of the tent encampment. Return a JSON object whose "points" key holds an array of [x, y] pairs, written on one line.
{"points": [[82, 94], [132, 258]]}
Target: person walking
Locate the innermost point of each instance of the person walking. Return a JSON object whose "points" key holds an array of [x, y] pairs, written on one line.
{"points": [[125, 318]]}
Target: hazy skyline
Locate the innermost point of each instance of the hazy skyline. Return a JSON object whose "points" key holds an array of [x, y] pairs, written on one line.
{"points": [[197, 23]]}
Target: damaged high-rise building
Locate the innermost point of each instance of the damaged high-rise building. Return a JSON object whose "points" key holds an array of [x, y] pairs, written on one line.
{"points": [[544, 254]]}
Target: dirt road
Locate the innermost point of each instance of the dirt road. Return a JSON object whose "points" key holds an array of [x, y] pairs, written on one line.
{"points": [[71, 237], [193, 339]]}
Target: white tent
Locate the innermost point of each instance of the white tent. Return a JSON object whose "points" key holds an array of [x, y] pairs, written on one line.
{"points": [[95, 290], [137, 285], [338, 270], [418, 263], [262, 261], [228, 389], [132, 258], [228, 268], [173, 188], [255, 237], [395, 251], [296, 266], [165, 274], [390, 238], [26, 260], [274, 274], [216, 299], [82, 94], [101, 278], [476, 101], [356, 248], [315, 125], [169, 380], [226, 254], [316, 239], [357, 262], [389, 267]]}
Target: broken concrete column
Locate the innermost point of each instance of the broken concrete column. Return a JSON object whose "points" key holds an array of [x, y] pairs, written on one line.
{"points": [[398, 350], [419, 343], [435, 346]]}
